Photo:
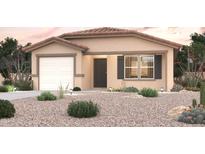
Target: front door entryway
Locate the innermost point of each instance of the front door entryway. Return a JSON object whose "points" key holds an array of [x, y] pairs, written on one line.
{"points": [[100, 72]]}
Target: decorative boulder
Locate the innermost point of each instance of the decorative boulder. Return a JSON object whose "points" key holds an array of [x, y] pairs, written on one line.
{"points": [[177, 111]]}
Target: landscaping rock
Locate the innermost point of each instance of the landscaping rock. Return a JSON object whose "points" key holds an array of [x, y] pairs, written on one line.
{"points": [[116, 110], [177, 111]]}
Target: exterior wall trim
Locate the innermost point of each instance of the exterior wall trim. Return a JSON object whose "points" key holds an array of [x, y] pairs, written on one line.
{"points": [[126, 52], [54, 40]]}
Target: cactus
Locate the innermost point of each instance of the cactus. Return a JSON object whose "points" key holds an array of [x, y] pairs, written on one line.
{"points": [[202, 93], [194, 103]]}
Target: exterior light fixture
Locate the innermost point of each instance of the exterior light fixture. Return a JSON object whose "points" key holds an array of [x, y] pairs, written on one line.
{"points": [[110, 89], [161, 89], [71, 91]]}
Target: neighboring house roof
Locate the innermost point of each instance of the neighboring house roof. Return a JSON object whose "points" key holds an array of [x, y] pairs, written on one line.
{"points": [[108, 31], [54, 40]]}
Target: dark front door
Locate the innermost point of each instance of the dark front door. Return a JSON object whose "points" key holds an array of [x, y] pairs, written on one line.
{"points": [[100, 72]]}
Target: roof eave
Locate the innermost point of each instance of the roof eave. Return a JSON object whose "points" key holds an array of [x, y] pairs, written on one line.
{"points": [[53, 40], [142, 36]]}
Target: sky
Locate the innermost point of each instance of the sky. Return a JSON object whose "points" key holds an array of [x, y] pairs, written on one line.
{"points": [[36, 34]]}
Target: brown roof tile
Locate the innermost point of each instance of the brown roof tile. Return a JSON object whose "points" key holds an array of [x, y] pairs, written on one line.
{"points": [[100, 30], [106, 31]]}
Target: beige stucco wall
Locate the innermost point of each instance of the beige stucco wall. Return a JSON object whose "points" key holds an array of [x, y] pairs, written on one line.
{"points": [[112, 80], [126, 44], [119, 44], [56, 49], [98, 47]]}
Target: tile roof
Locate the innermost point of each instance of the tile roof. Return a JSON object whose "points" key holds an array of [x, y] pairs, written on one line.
{"points": [[52, 40], [100, 30], [109, 31]]}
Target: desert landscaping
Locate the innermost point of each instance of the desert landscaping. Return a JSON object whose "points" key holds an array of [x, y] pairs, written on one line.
{"points": [[117, 109]]}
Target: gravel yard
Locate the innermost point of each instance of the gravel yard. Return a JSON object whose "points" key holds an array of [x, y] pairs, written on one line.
{"points": [[116, 110]]}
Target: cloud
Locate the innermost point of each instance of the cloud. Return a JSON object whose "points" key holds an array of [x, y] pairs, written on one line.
{"points": [[45, 34]]}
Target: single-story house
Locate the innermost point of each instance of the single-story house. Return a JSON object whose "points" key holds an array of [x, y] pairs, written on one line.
{"points": [[102, 58]]}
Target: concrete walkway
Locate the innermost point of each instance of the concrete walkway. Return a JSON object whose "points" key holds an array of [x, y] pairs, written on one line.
{"points": [[18, 95]]}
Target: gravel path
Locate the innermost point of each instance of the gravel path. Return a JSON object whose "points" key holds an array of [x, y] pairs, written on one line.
{"points": [[116, 110]]}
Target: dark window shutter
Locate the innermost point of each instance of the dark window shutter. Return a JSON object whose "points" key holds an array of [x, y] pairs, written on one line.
{"points": [[158, 66], [120, 67]]}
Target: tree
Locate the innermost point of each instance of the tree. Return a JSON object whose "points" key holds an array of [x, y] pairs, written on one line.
{"points": [[14, 63], [190, 61], [7, 47], [181, 61], [195, 37]]}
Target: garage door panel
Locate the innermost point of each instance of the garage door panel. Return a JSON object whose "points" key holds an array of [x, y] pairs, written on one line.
{"points": [[56, 71]]}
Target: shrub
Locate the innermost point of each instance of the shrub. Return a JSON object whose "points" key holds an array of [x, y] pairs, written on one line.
{"points": [[118, 90], [192, 89], [7, 88], [177, 88], [7, 109], [3, 89], [23, 85], [62, 91], [194, 103], [82, 109], [10, 88], [192, 80], [148, 92], [46, 96], [127, 89], [7, 82], [130, 89], [195, 116], [76, 89]]}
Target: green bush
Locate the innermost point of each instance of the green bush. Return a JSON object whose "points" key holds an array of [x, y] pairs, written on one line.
{"points": [[118, 90], [76, 89], [82, 109], [130, 89], [192, 88], [148, 92], [127, 89], [195, 116], [10, 88], [23, 85], [177, 88], [3, 89], [46, 96], [7, 109], [7, 82], [7, 88]]}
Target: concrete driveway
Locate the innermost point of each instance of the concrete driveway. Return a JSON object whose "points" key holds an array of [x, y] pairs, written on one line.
{"points": [[18, 95]]}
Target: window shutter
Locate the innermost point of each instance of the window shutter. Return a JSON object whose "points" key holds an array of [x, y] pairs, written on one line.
{"points": [[120, 67], [158, 66]]}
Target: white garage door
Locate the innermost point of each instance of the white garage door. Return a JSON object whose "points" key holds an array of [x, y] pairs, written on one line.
{"points": [[56, 71]]}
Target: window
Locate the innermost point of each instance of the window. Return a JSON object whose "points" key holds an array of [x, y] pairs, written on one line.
{"points": [[131, 67], [147, 66], [139, 67]]}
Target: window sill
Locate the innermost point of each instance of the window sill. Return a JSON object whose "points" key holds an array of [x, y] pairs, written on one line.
{"points": [[139, 79]]}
